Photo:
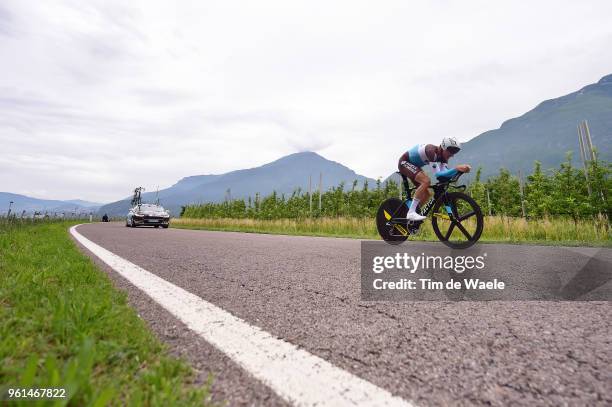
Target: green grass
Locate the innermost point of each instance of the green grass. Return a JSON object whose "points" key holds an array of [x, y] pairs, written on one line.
{"points": [[63, 324], [497, 229]]}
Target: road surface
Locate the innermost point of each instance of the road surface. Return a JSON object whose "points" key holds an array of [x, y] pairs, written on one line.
{"points": [[306, 291]]}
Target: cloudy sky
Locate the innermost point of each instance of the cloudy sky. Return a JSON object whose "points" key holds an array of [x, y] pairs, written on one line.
{"points": [[97, 97]]}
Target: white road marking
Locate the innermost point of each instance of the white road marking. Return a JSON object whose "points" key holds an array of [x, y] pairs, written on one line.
{"points": [[297, 376]]}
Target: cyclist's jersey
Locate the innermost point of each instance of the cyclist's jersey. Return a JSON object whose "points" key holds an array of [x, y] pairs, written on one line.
{"points": [[423, 154]]}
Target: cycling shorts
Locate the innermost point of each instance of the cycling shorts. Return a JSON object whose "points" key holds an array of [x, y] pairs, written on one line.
{"points": [[408, 169]]}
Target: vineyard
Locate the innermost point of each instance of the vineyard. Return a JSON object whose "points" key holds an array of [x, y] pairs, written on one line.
{"points": [[559, 193]]}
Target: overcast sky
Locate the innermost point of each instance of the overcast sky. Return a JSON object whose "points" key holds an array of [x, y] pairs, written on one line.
{"points": [[97, 97]]}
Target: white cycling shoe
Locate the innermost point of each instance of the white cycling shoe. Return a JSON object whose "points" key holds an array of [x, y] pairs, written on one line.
{"points": [[415, 217]]}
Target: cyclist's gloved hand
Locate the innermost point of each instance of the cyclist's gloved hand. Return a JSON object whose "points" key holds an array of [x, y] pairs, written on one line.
{"points": [[464, 168], [446, 174]]}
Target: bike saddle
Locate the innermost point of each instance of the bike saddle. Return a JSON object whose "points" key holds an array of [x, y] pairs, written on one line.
{"points": [[401, 175]]}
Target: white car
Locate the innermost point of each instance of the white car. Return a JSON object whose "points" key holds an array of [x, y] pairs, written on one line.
{"points": [[148, 215]]}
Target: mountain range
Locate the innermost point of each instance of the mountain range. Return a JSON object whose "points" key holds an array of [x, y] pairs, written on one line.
{"points": [[284, 176], [546, 133], [25, 203]]}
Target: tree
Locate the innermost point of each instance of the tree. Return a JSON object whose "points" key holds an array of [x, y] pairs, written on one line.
{"points": [[601, 182], [538, 193], [569, 192], [477, 189], [505, 194]]}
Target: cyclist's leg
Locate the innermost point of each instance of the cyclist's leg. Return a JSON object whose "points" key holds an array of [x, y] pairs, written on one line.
{"points": [[417, 176], [422, 192]]}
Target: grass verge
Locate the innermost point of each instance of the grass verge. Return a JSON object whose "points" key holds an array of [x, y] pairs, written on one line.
{"points": [[497, 229], [63, 324]]}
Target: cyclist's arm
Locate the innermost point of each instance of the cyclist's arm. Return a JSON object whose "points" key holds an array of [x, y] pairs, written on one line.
{"points": [[441, 170], [438, 167]]}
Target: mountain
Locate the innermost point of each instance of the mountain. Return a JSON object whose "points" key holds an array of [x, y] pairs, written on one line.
{"points": [[546, 133], [284, 176], [25, 203], [84, 204]]}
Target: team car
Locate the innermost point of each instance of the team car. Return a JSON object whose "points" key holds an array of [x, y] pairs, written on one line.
{"points": [[148, 215]]}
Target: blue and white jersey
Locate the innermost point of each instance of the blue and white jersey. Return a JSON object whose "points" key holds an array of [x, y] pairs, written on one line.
{"points": [[424, 154]]}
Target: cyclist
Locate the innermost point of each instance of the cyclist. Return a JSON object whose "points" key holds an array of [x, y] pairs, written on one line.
{"points": [[411, 163]]}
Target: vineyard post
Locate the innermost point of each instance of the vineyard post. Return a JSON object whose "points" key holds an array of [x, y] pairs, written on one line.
{"points": [[488, 200], [310, 194], [401, 187], [320, 188], [521, 191], [592, 150], [587, 132], [583, 156]]}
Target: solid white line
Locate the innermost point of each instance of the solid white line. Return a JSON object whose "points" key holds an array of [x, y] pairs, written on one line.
{"points": [[295, 375]]}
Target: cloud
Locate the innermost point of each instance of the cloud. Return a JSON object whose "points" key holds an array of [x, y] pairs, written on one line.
{"points": [[162, 97], [6, 19], [96, 97]]}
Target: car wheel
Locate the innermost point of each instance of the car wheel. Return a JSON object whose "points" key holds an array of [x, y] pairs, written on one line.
{"points": [[165, 226]]}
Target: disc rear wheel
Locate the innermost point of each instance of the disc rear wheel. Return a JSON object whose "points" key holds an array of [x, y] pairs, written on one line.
{"points": [[393, 233]]}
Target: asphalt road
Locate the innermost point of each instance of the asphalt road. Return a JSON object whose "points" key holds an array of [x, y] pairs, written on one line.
{"points": [[306, 291]]}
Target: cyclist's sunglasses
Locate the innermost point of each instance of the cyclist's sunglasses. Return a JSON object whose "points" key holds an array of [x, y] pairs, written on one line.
{"points": [[453, 150]]}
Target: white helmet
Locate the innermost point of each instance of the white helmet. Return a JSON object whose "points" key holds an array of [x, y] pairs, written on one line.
{"points": [[452, 143]]}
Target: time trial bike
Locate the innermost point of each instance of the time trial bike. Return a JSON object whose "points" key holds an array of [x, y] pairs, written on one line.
{"points": [[456, 218]]}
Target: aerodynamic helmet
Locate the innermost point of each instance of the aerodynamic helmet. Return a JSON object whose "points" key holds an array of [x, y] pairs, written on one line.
{"points": [[451, 144]]}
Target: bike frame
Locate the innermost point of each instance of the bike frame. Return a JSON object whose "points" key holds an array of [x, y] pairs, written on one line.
{"points": [[439, 189]]}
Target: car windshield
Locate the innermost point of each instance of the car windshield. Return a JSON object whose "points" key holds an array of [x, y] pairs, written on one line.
{"points": [[149, 207]]}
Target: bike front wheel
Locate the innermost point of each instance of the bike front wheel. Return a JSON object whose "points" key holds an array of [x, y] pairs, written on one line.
{"points": [[457, 220]]}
